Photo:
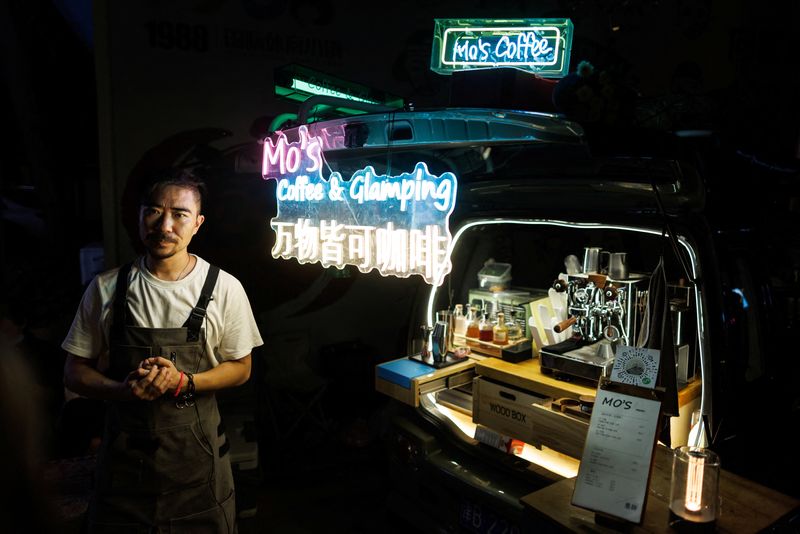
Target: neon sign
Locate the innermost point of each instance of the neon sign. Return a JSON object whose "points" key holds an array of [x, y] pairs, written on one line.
{"points": [[322, 89], [397, 224], [297, 82], [540, 46]]}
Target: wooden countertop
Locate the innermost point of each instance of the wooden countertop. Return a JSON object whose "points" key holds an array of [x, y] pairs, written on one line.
{"points": [[528, 376], [746, 505]]}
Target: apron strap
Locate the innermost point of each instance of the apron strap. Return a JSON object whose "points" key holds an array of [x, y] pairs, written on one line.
{"points": [[120, 317], [195, 320]]}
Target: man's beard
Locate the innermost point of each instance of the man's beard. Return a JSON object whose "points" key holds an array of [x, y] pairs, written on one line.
{"points": [[153, 241]]}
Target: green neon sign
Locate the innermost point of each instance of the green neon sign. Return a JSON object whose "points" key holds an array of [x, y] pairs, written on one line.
{"points": [[298, 83], [539, 46], [310, 88]]}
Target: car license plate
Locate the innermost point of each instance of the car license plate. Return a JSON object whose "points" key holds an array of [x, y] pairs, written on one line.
{"points": [[482, 520]]}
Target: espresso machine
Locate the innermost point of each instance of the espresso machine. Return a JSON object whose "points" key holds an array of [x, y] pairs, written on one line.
{"points": [[604, 311]]}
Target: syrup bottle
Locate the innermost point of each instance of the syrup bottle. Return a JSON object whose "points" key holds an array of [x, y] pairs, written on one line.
{"points": [[500, 330], [486, 328], [459, 321], [473, 327]]}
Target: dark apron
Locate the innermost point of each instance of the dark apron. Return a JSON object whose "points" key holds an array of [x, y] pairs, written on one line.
{"points": [[163, 465]]}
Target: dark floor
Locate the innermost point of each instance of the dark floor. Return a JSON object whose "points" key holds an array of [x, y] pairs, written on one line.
{"points": [[334, 489], [323, 480], [317, 471], [334, 483]]}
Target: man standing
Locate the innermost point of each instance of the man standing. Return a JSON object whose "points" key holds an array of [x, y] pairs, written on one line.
{"points": [[156, 338]]}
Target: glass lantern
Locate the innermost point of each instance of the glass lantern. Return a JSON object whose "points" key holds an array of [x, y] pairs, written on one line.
{"points": [[694, 491]]}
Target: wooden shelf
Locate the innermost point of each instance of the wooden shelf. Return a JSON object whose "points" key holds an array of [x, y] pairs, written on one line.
{"points": [[528, 376], [486, 348]]}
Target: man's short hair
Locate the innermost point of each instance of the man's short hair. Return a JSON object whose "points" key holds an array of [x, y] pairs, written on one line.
{"points": [[183, 178]]}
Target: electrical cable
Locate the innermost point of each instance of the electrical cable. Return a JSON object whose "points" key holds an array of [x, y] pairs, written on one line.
{"points": [[670, 235], [644, 334]]}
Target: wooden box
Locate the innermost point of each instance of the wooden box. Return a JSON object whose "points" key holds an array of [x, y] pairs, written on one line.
{"points": [[526, 416]]}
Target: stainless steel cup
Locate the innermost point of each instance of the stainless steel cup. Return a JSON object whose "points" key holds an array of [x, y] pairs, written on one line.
{"points": [[442, 335], [618, 265], [591, 259]]}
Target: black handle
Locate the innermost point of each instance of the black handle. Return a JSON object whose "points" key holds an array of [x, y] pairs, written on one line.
{"points": [[508, 396]]}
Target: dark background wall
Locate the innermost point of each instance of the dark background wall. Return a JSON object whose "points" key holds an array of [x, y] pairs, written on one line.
{"points": [[91, 95], [144, 74]]}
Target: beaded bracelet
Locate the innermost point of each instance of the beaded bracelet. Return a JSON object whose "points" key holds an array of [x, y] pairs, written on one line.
{"points": [[187, 399], [190, 377]]}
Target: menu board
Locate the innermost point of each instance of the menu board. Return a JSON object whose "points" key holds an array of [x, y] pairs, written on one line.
{"points": [[615, 468]]}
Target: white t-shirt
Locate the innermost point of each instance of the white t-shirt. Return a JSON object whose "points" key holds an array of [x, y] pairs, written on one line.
{"points": [[231, 330]]}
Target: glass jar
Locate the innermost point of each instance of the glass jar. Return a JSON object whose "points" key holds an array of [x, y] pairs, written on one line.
{"points": [[515, 330]]}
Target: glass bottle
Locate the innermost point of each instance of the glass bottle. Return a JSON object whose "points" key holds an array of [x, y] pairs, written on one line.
{"points": [[473, 327], [500, 330], [515, 330], [459, 321], [485, 328]]}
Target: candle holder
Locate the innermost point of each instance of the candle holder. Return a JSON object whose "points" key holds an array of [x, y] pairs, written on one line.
{"points": [[694, 491]]}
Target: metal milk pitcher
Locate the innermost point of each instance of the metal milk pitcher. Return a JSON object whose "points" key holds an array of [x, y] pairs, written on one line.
{"points": [[618, 265]]}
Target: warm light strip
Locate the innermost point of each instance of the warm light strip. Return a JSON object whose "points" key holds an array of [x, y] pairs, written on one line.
{"points": [[704, 392], [463, 422], [549, 459]]}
